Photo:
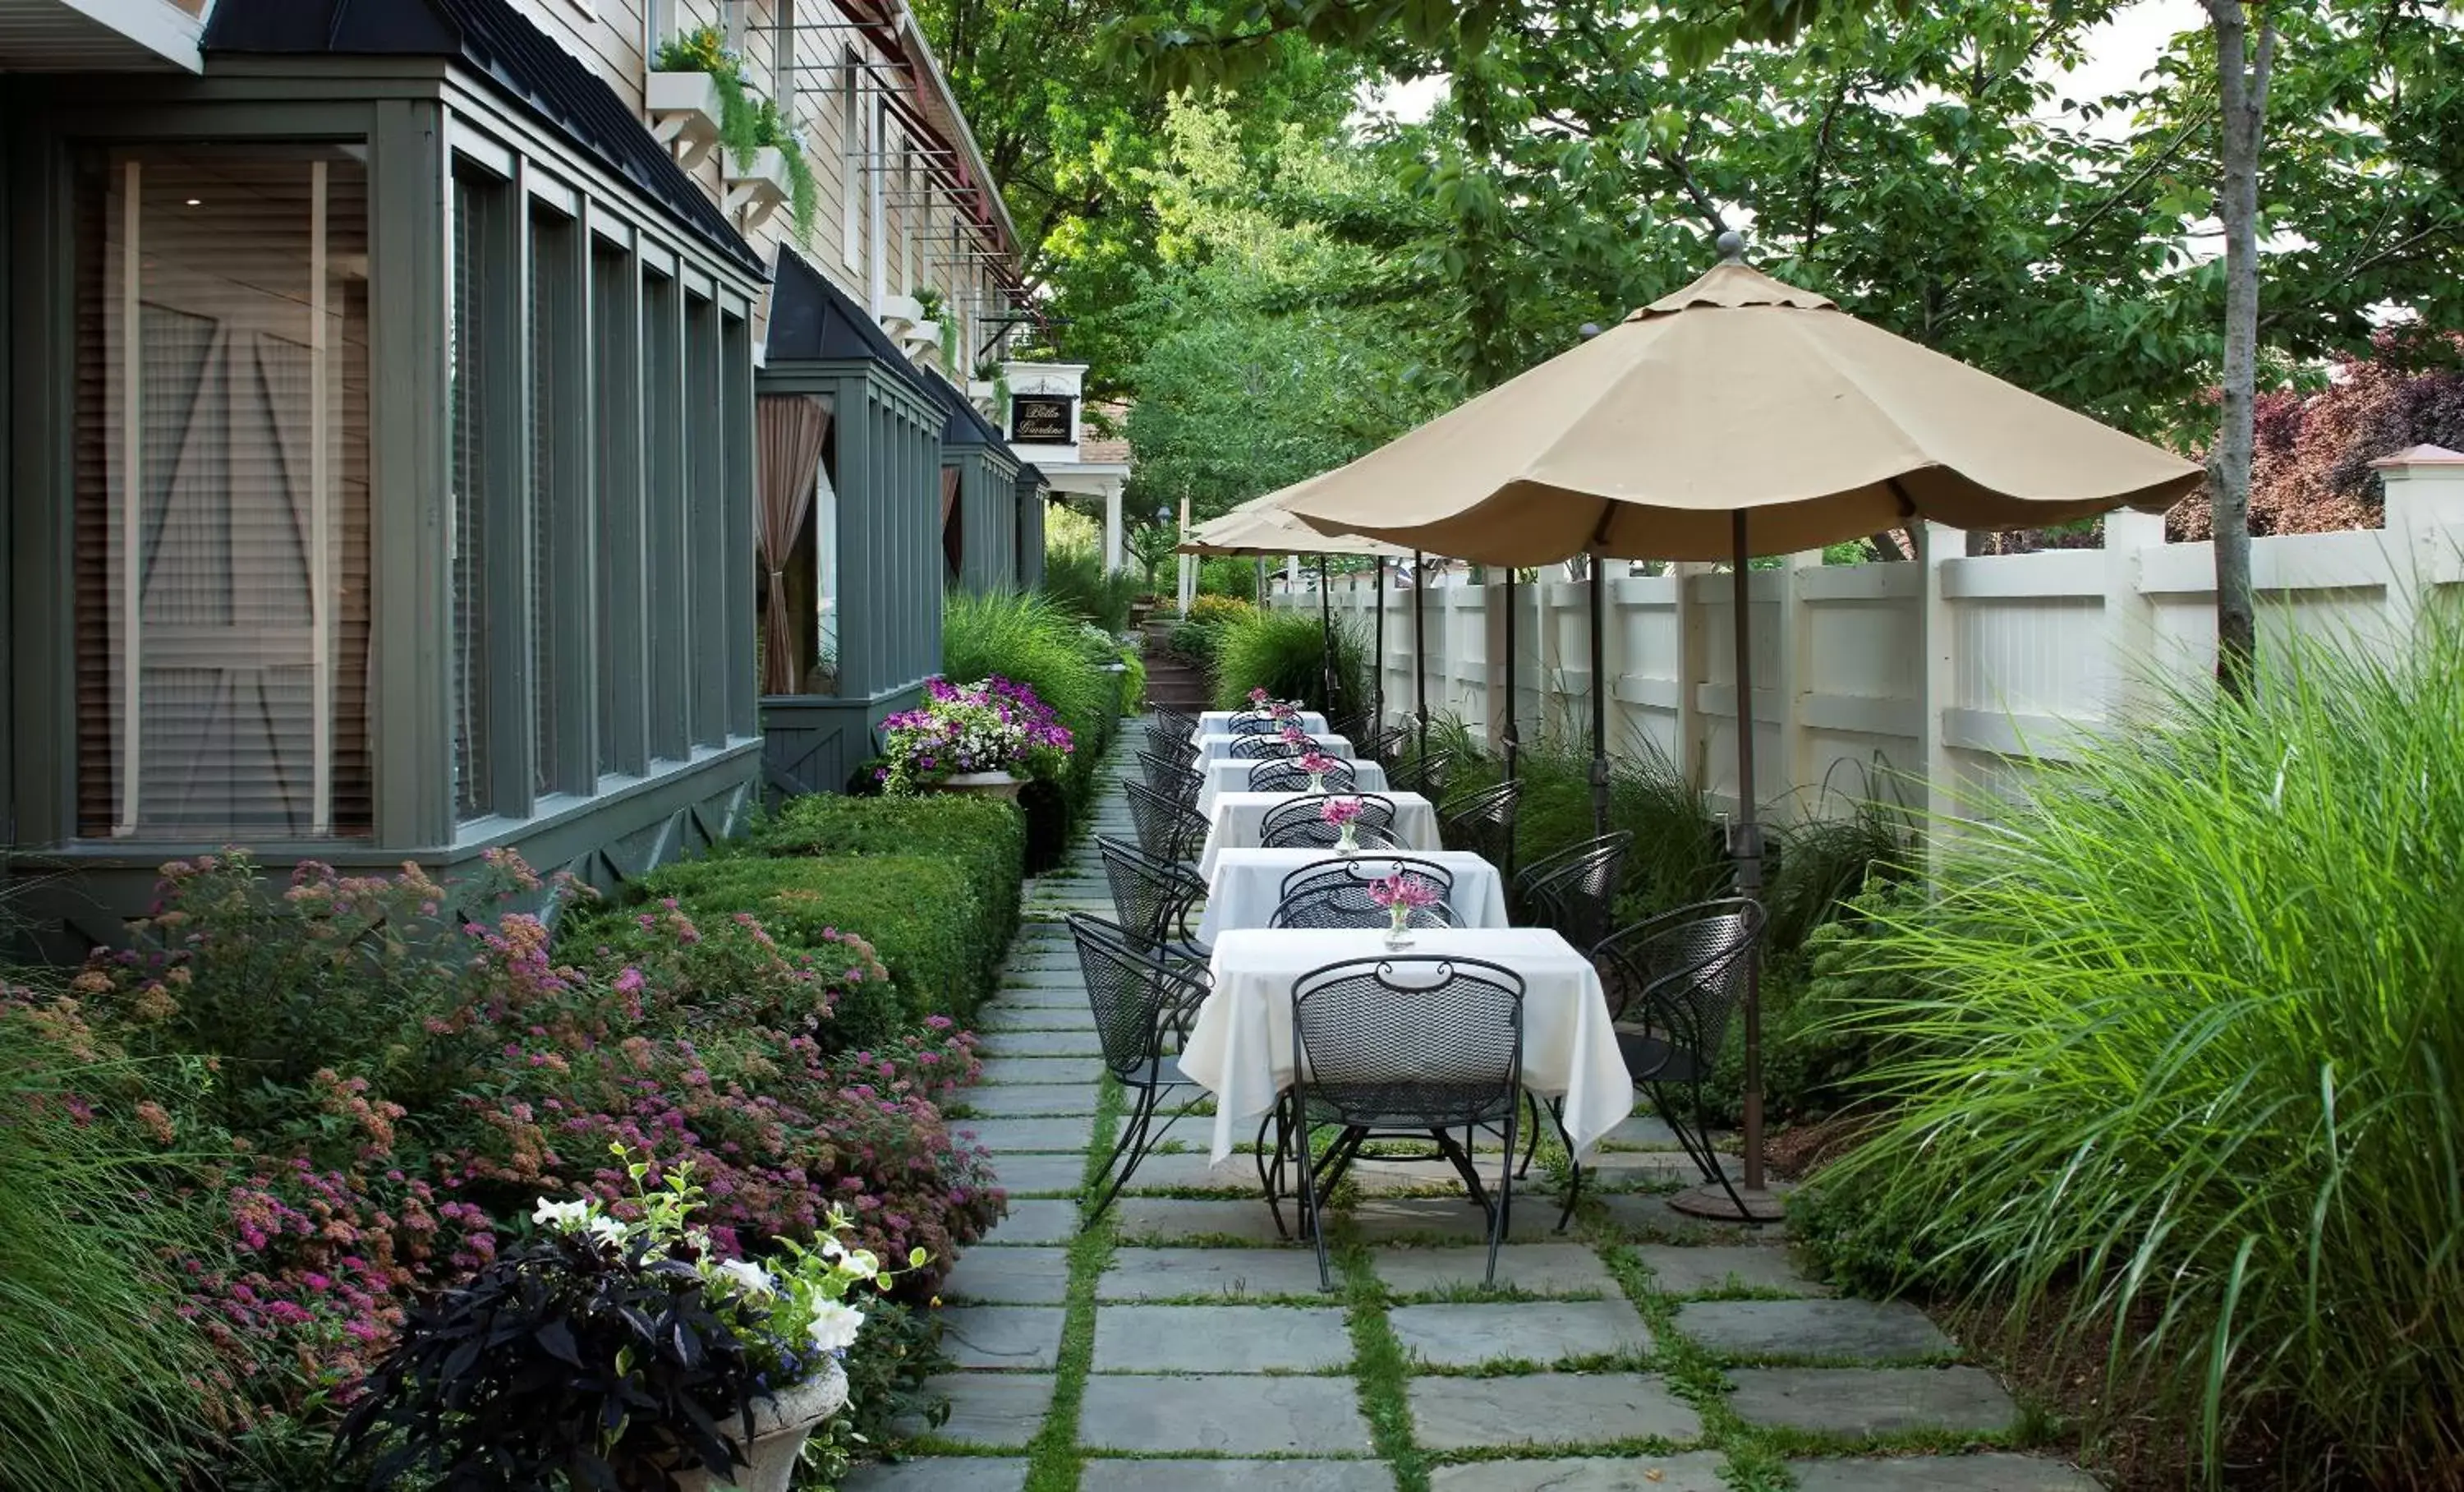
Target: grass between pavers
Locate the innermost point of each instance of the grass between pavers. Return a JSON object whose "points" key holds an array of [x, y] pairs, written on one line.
{"points": [[1381, 1370], [1054, 1459]]}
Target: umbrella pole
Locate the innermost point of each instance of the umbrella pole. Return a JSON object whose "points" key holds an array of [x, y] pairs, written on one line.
{"points": [[1325, 621], [1599, 700], [1377, 667], [1514, 740], [1749, 1201], [1421, 651]]}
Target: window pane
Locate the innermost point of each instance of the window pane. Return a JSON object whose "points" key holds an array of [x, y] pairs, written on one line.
{"points": [[221, 481], [475, 202]]}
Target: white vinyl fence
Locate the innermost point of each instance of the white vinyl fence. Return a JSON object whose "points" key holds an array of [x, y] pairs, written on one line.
{"points": [[1937, 671]]}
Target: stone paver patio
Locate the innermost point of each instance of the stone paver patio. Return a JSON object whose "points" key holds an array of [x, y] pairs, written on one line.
{"points": [[1640, 1351]]}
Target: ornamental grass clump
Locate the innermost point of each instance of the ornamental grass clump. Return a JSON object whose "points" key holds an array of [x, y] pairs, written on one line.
{"points": [[2180, 1041]]}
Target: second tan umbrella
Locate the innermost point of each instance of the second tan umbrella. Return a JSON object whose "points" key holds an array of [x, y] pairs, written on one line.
{"points": [[1262, 526]]}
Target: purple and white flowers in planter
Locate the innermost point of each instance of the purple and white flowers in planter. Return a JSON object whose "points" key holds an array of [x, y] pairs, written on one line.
{"points": [[993, 725]]}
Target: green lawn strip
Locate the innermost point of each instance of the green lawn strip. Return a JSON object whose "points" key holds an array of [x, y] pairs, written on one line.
{"points": [[1379, 1365], [1053, 1456]]}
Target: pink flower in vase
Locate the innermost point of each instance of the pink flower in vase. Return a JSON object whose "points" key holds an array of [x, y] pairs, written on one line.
{"points": [[1258, 698], [1339, 811], [1405, 892], [1282, 710], [1317, 763], [1293, 735]]}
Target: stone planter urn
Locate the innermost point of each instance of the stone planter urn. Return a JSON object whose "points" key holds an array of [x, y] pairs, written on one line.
{"points": [[990, 784], [781, 1425]]}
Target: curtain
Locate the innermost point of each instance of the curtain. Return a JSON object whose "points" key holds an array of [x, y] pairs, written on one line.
{"points": [[789, 431], [950, 542]]}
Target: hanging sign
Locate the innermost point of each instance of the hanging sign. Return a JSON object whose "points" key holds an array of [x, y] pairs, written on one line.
{"points": [[1039, 419]]}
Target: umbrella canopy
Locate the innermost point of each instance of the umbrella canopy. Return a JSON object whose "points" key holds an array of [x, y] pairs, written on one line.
{"points": [[1263, 526], [1737, 393]]}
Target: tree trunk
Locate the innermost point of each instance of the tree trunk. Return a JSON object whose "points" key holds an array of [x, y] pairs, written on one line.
{"points": [[2242, 72]]}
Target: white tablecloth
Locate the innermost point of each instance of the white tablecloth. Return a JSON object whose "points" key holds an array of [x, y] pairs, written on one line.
{"points": [[1247, 884], [1236, 821], [1240, 1050], [1231, 775], [1219, 723], [1218, 747]]}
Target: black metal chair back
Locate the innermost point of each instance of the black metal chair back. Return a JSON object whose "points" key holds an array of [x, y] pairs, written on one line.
{"points": [[1138, 1000], [1258, 748], [1381, 746], [1168, 828], [1285, 774], [1169, 776], [1152, 896], [1337, 895], [1169, 730], [1255, 722], [1681, 974], [1483, 821], [1575, 890], [1425, 775], [1296, 825]]}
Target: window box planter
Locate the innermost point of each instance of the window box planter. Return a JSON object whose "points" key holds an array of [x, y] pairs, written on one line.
{"points": [[758, 189], [684, 109], [899, 312]]}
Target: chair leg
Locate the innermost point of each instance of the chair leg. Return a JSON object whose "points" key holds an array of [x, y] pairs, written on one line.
{"points": [[1575, 1183], [1313, 1203], [1695, 1142], [1531, 1141], [1126, 1151], [1270, 1163], [1502, 1221]]}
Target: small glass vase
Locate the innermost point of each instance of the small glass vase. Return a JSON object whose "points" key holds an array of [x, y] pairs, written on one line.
{"points": [[1399, 928], [1348, 842], [1317, 782]]}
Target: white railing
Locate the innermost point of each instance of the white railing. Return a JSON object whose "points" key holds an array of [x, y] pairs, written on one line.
{"points": [[1938, 671]]}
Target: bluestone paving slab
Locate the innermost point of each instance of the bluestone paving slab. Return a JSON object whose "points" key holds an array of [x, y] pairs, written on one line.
{"points": [[1039, 1043], [1071, 997], [1176, 1274], [1449, 1219], [1189, 1170], [1001, 1336], [1632, 1171], [939, 1474], [1872, 1400], [1165, 1219], [1641, 1132], [1028, 1134], [1230, 1476], [1227, 1413], [1548, 1409], [1533, 1268], [1009, 1277], [1532, 1331], [1702, 1268], [1034, 1017], [1036, 1220], [1993, 1472], [1693, 1470], [1065, 1071], [1651, 1219], [1026, 1175], [1220, 1339], [1012, 1099], [1860, 1330], [1003, 1408]]}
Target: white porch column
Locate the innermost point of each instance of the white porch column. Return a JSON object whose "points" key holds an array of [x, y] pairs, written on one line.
{"points": [[1112, 558]]}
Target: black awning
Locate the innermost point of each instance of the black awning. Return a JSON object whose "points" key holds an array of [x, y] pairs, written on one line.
{"points": [[492, 40], [967, 425], [813, 320], [1031, 478]]}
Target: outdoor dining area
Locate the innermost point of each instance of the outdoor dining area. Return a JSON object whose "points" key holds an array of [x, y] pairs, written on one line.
{"points": [[1317, 955]]}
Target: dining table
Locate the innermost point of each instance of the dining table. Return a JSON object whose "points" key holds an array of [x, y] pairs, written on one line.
{"points": [[1219, 723], [1237, 822], [1218, 747], [1232, 775], [1240, 1048], [1248, 884]]}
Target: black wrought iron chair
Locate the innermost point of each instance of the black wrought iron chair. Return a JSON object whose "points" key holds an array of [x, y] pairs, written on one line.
{"points": [[1483, 822], [1255, 722], [1673, 983], [1143, 1008], [1425, 775], [1170, 731], [1337, 895], [1296, 825], [1153, 899], [1406, 1046], [1575, 890], [1168, 828], [1285, 774], [1260, 749], [1174, 779], [1381, 746]]}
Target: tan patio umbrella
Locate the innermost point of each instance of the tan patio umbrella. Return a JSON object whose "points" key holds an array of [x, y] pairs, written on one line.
{"points": [[1262, 526], [1737, 417]]}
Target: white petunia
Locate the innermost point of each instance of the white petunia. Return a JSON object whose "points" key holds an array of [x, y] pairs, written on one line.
{"points": [[748, 1276], [563, 1217], [863, 1263], [834, 1326], [609, 1233]]}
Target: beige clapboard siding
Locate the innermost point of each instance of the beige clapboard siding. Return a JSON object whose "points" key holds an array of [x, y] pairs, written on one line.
{"points": [[604, 33]]}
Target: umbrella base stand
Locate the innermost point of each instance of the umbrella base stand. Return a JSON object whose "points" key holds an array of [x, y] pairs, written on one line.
{"points": [[1762, 1204]]}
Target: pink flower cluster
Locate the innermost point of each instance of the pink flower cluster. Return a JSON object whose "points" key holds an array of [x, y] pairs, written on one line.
{"points": [[1339, 811], [1405, 890], [1318, 763]]}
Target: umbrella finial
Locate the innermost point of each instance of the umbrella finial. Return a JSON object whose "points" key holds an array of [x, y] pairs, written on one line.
{"points": [[1732, 246]]}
